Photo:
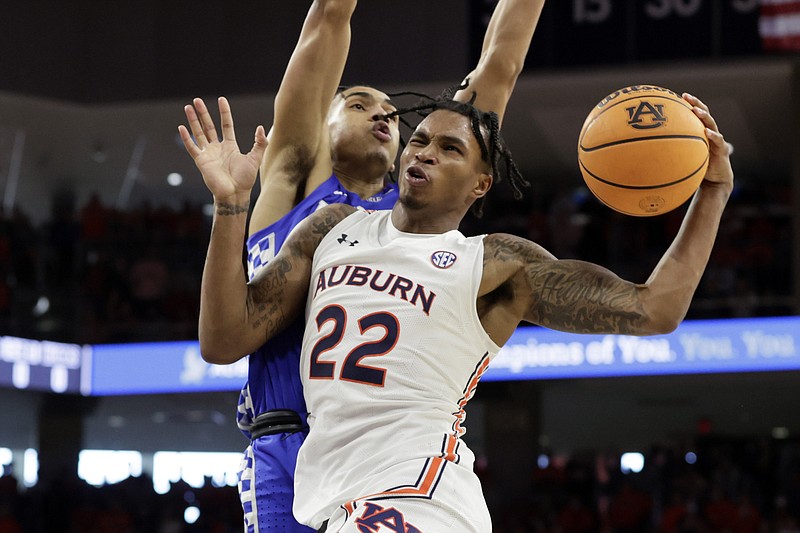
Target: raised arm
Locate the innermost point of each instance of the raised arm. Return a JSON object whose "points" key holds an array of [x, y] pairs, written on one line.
{"points": [[236, 318], [299, 148], [677, 275], [230, 176], [505, 46], [524, 282]]}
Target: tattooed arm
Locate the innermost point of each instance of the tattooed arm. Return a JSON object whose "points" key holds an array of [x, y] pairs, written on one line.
{"points": [[236, 318], [229, 176], [522, 281]]}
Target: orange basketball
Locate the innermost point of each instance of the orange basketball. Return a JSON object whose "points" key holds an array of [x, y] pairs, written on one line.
{"points": [[642, 150]]}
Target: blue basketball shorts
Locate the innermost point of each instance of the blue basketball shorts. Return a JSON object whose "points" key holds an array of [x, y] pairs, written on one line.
{"points": [[266, 484]]}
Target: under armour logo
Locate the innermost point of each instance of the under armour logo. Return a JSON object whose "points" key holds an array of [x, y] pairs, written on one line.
{"points": [[343, 240]]}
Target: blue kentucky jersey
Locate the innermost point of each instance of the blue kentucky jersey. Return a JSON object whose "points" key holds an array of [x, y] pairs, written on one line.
{"points": [[273, 380]]}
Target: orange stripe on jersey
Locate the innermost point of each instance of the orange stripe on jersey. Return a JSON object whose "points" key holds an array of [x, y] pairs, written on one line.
{"points": [[450, 448], [427, 482], [349, 507], [424, 487], [469, 391], [432, 471]]}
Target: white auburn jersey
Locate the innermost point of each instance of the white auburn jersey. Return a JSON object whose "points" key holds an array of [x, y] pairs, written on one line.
{"points": [[393, 350]]}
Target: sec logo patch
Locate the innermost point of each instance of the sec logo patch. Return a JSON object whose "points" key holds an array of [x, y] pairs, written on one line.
{"points": [[443, 259]]}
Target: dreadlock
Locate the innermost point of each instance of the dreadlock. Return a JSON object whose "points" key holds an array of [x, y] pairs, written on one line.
{"points": [[403, 120], [495, 152]]}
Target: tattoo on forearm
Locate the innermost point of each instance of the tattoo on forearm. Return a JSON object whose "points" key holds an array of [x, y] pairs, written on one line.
{"points": [[585, 299], [225, 209], [569, 295], [265, 298]]}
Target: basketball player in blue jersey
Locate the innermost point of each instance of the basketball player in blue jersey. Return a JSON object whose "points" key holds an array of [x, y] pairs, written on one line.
{"points": [[328, 146], [405, 315]]}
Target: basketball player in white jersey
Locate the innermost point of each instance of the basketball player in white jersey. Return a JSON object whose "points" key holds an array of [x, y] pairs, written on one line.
{"points": [[404, 314], [328, 147]]}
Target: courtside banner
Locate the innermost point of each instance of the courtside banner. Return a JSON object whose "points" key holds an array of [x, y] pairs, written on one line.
{"points": [[696, 347], [160, 367]]}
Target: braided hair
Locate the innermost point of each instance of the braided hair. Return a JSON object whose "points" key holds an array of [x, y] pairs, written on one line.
{"points": [[495, 152]]}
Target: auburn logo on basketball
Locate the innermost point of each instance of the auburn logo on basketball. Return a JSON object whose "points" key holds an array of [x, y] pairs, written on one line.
{"points": [[646, 116], [442, 259]]}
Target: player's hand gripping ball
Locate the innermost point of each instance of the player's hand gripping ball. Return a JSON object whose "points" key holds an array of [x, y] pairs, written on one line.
{"points": [[642, 150]]}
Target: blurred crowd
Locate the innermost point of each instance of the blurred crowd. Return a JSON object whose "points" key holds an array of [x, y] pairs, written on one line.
{"points": [[130, 506], [714, 485], [96, 274]]}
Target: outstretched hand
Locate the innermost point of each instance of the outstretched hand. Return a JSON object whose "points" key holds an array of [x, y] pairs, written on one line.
{"points": [[227, 172], [719, 170]]}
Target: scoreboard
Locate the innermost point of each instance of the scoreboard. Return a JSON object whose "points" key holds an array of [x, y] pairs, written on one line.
{"points": [[43, 365], [608, 32]]}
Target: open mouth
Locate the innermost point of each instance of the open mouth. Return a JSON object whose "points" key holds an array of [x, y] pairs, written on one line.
{"points": [[416, 174], [381, 131]]}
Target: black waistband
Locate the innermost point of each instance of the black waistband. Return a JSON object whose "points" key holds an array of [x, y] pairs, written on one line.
{"points": [[276, 421], [324, 527]]}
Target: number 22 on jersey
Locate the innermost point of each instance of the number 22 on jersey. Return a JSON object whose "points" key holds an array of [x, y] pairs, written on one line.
{"points": [[352, 368]]}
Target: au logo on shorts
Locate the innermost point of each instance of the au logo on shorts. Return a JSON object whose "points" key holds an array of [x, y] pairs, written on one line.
{"points": [[443, 259], [377, 519]]}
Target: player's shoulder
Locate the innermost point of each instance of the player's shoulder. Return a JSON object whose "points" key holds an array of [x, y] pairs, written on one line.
{"points": [[509, 259], [308, 234], [320, 222], [508, 249], [332, 214]]}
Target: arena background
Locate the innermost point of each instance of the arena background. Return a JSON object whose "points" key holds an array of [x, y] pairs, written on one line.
{"points": [[91, 94]]}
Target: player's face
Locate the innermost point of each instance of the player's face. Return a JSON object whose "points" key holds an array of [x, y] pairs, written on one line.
{"points": [[358, 129], [441, 165]]}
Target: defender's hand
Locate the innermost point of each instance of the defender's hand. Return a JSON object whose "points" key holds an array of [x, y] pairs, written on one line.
{"points": [[228, 173]]}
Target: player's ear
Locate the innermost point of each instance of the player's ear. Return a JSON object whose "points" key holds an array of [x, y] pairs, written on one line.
{"points": [[482, 185], [392, 168]]}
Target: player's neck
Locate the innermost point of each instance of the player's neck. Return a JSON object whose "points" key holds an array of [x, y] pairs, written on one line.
{"points": [[423, 222], [364, 187]]}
